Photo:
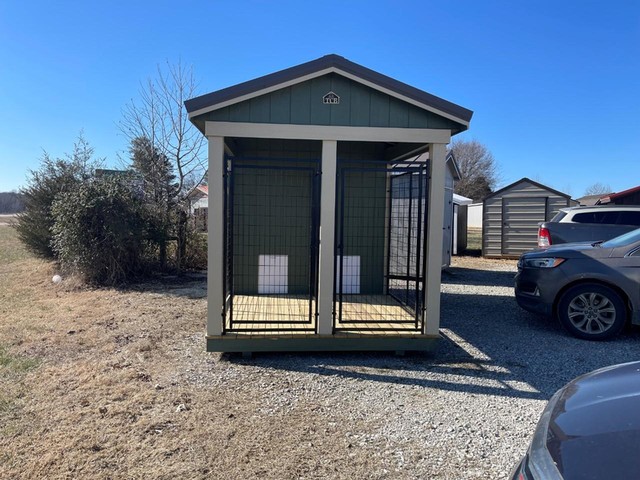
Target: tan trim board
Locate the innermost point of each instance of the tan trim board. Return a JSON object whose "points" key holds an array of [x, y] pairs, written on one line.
{"points": [[327, 236], [435, 222], [319, 132], [215, 238]]}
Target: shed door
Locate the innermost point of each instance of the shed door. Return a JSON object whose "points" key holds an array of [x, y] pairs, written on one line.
{"points": [[520, 218]]}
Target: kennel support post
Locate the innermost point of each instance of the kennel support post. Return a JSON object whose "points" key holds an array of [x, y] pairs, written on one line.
{"points": [[215, 268], [435, 190], [327, 236]]}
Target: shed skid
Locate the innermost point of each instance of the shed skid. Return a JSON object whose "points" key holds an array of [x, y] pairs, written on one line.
{"points": [[321, 343]]}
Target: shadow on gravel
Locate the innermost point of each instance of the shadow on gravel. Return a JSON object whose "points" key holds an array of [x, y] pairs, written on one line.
{"points": [[468, 276], [415, 369], [489, 346]]}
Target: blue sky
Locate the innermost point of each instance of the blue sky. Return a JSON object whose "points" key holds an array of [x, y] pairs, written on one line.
{"points": [[555, 86]]}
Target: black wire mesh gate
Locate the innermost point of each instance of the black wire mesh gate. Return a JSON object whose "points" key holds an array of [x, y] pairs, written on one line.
{"points": [[381, 213], [271, 209]]}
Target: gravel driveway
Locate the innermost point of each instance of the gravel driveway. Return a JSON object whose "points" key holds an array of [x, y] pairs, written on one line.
{"points": [[465, 411]]}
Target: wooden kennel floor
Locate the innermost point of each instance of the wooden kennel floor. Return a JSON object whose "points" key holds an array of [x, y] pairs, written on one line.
{"points": [[291, 315]]}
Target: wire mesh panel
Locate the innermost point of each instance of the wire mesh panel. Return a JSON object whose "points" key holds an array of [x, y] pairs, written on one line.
{"points": [[380, 221], [271, 244], [407, 213]]}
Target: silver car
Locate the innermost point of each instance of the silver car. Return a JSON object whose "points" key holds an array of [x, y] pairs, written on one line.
{"points": [[592, 288]]}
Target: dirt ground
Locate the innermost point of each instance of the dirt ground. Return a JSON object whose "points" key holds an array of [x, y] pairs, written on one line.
{"points": [[115, 383]]}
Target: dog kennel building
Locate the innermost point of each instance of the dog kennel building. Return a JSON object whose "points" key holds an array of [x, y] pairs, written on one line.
{"points": [[326, 203]]}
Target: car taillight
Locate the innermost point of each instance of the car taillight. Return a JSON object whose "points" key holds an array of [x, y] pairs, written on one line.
{"points": [[544, 237]]}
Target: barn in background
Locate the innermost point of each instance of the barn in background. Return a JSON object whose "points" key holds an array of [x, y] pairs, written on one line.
{"points": [[626, 197]]}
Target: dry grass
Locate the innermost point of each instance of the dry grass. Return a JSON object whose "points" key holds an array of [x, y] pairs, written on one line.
{"points": [[474, 241], [100, 383], [7, 219], [78, 370], [110, 384]]}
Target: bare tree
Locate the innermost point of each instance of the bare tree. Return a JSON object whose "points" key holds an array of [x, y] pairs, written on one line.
{"points": [[159, 116], [598, 189], [478, 169]]}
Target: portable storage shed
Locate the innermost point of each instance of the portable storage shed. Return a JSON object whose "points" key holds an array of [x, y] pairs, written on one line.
{"points": [[459, 223], [451, 176], [455, 215], [510, 217], [325, 219], [474, 215]]}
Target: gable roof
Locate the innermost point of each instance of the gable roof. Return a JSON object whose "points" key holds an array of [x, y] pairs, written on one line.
{"points": [[453, 165], [199, 190], [322, 66], [461, 200], [613, 196], [589, 200], [525, 179]]}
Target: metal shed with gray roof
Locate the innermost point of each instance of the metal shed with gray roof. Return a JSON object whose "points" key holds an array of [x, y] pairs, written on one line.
{"points": [[326, 205], [510, 217]]}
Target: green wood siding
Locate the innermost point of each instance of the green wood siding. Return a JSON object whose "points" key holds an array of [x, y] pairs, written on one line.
{"points": [[365, 195], [320, 115], [379, 109], [280, 148], [260, 109], [301, 98], [398, 113], [280, 102], [359, 105]]}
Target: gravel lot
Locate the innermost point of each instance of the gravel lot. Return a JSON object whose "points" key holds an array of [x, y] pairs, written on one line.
{"points": [[110, 384], [464, 412]]}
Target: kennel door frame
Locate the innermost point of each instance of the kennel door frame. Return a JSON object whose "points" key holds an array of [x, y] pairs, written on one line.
{"points": [[258, 163], [422, 169]]}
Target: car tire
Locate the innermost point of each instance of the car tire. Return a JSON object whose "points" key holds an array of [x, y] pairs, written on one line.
{"points": [[592, 311]]}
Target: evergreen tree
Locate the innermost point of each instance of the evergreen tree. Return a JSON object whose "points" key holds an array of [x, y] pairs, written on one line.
{"points": [[159, 191], [55, 177]]}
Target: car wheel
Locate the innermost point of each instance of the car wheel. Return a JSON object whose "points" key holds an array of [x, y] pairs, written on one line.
{"points": [[592, 312]]}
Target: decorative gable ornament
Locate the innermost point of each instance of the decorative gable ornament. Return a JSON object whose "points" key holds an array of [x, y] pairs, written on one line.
{"points": [[331, 99]]}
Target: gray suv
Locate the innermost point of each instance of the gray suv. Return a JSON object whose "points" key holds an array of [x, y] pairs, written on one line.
{"points": [[592, 288]]}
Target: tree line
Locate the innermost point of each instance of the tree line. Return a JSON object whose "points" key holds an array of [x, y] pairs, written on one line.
{"points": [[113, 226], [11, 202]]}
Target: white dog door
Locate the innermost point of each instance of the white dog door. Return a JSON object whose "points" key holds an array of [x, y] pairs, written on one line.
{"points": [[350, 275], [273, 274]]}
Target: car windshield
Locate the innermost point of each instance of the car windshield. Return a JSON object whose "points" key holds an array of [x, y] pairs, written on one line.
{"points": [[623, 240]]}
